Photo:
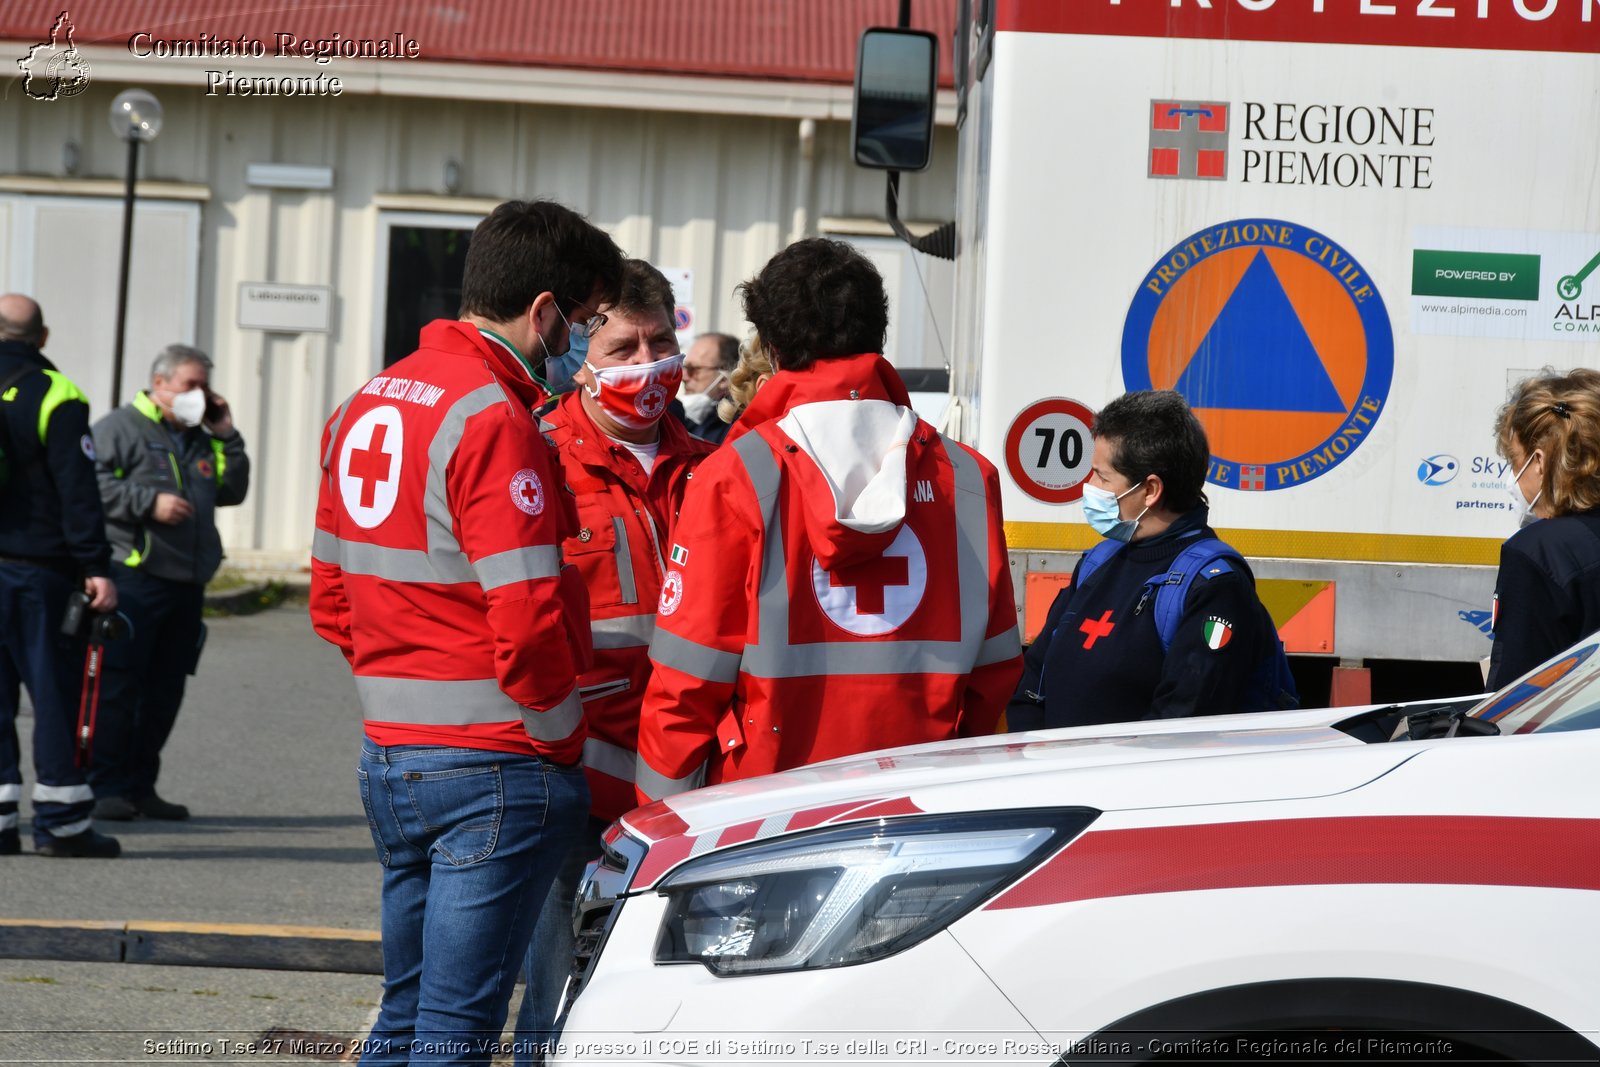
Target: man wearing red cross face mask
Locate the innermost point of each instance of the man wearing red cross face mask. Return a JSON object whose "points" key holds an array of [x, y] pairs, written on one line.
{"points": [[628, 469], [838, 582]]}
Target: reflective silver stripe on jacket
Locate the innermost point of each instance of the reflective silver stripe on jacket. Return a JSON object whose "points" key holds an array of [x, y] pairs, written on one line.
{"points": [[999, 648], [390, 564], [423, 702], [774, 657], [701, 661], [436, 499], [630, 593], [333, 435], [655, 785], [609, 759], [518, 565], [629, 631]]}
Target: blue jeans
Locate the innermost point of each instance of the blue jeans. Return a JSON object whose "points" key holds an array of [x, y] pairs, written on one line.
{"points": [[470, 840], [550, 951]]}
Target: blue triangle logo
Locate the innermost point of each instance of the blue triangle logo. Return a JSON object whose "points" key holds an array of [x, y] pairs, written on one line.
{"points": [[1256, 356]]}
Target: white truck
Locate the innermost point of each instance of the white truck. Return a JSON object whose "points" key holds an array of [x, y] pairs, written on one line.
{"points": [[1341, 228]]}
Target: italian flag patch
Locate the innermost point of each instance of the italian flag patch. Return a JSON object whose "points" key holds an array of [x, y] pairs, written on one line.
{"points": [[680, 555], [1218, 632]]}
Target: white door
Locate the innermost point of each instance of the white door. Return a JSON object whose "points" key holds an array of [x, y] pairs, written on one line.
{"points": [[65, 251]]}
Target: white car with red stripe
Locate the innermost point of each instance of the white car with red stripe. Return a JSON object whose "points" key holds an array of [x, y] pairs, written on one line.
{"points": [[1397, 884]]}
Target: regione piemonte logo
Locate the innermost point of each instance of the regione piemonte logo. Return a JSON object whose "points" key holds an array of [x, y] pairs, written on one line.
{"points": [[1189, 139]]}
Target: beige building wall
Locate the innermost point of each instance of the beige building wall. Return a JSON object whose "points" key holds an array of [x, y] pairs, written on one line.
{"points": [[716, 182]]}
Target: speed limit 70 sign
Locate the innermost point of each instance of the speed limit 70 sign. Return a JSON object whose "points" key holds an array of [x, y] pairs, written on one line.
{"points": [[1048, 449]]}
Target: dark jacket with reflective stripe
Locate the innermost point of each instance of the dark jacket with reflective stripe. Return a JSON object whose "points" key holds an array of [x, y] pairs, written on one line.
{"points": [[139, 458], [50, 509]]}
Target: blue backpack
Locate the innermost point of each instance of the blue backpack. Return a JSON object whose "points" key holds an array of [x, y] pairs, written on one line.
{"points": [[1271, 686]]}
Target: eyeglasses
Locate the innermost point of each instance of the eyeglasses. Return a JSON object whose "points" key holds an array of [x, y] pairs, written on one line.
{"points": [[588, 328]]}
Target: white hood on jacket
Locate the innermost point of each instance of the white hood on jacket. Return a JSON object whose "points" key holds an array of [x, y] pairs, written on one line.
{"points": [[860, 448]]}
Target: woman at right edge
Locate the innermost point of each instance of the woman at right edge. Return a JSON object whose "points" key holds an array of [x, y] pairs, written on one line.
{"points": [[1547, 594]]}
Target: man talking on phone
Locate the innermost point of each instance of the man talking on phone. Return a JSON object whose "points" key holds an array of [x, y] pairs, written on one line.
{"points": [[165, 463]]}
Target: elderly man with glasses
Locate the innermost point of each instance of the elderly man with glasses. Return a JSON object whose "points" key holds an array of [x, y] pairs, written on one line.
{"points": [[706, 367]]}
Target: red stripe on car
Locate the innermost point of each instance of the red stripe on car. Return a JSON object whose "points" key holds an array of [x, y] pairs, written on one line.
{"points": [[655, 822], [739, 833], [1360, 850]]}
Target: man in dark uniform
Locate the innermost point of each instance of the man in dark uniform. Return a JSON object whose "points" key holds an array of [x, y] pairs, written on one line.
{"points": [[52, 541], [1100, 657]]}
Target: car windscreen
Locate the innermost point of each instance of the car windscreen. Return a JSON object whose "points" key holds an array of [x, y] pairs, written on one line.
{"points": [[1562, 693]]}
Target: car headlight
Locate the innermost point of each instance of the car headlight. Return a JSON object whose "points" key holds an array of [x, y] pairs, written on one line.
{"points": [[848, 895]]}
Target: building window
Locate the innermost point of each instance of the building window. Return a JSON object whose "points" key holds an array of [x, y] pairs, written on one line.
{"points": [[424, 283]]}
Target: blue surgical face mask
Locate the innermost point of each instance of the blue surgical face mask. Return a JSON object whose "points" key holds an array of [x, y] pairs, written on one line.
{"points": [[558, 370], [1100, 510]]}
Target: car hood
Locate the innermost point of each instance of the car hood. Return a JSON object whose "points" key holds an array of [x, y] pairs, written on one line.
{"points": [[1214, 760]]}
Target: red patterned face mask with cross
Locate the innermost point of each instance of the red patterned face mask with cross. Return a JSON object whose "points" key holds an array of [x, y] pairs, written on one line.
{"points": [[637, 395]]}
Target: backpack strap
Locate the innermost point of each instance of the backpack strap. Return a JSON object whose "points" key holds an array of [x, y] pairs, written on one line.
{"points": [[16, 375], [1096, 556], [6, 384], [1208, 556]]}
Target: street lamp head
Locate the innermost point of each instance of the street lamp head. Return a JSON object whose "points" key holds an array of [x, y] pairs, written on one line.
{"points": [[136, 115]]}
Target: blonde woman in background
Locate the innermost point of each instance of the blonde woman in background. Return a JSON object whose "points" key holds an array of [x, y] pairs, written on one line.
{"points": [[1547, 594], [752, 372]]}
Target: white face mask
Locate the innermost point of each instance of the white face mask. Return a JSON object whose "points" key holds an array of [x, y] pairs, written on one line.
{"points": [[1521, 506], [190, 408], [697, 407]]}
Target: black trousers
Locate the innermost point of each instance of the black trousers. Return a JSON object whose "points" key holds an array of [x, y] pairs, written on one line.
{"points": [[144, 681]]}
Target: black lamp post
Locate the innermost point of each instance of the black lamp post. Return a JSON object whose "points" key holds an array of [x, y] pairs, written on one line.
{"points": [[135, 118]]}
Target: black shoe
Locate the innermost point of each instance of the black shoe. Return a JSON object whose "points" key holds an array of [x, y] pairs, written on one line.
{"points": [[88, 845], [115, 809], [10, 842], [153, 807]]}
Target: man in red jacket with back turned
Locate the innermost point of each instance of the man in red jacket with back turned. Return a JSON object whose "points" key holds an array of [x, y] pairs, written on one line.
{"points": [[437, 571], [838, 581]]}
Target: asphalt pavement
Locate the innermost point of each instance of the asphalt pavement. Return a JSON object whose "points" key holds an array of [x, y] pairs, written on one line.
{"points": [[247, 933]]}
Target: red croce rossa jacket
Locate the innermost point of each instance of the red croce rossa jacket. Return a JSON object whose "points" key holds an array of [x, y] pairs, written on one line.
{"points": [[437, 563], [838, 583], [625, 518]]}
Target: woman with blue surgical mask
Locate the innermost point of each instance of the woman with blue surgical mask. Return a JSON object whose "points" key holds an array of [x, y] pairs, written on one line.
{"points": [[1547, 592], [1102, 655]]}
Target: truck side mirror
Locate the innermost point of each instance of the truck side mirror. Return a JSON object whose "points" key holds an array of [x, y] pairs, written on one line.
{"points": [[896, 72]]}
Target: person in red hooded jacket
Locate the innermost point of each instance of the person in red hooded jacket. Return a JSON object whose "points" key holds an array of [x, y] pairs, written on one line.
{"points": [[437, 571], [838, 580]]}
